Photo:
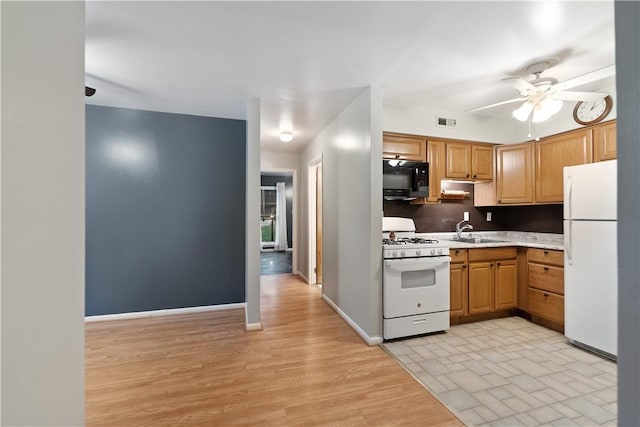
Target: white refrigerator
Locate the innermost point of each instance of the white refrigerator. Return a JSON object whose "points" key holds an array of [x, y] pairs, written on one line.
{"points": [[591, 256]]}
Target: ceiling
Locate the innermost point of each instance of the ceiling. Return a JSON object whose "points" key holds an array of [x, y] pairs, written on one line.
{"points": [[306, 61]]}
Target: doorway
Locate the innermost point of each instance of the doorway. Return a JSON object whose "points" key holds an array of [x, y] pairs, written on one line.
{"points": [[314, 173], [277, 222]]}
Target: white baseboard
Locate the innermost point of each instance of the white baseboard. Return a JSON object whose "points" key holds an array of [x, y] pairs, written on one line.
{"points": [[369, 340], [253, 326], [165, 312]]}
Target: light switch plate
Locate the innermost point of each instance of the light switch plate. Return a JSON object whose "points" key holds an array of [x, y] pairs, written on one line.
{"points": [[466, 216], [488, 216]]}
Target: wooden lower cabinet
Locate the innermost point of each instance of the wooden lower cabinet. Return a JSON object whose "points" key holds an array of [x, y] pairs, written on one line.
{"points": [[506, 284], [458, 282], [481, 285], [492, 282], [545, 281]]}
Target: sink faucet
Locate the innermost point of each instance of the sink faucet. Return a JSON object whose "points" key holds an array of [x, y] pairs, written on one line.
{"points": [[459, 229]]}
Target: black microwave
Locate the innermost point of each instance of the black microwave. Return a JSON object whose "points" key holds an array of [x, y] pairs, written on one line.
{"points": [[404, 180]]}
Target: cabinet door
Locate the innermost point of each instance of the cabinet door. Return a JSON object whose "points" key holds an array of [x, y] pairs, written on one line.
{"points": [[458, 160], [553, 154], [506, 283], [604, 142], [458, 281], [436, 157], [405, 147], [482, 162], [514, 174], [481, 287]]}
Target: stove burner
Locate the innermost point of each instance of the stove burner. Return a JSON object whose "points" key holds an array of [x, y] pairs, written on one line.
{"points": [[408, 240]]}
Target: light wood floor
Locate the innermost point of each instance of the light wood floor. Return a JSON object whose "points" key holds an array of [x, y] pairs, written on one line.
{"points": [[306, 368]]}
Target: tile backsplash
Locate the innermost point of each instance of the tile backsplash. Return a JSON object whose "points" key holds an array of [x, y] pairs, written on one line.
{"points": [[444, 216]]}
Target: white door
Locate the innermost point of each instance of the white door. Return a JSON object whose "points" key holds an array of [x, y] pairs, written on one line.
{"points": [[415, 286], [591, 284], [590, 191]]}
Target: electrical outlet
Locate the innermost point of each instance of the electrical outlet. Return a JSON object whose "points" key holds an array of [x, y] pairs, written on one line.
{"points": [[488, 216], [466, 216]]}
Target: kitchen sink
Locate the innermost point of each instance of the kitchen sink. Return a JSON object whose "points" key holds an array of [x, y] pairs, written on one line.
{"points": [[476, 240]]}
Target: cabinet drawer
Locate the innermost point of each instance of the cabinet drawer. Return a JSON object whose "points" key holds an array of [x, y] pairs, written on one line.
{"points": [[546, 278], [458, 255], [546, 256], [492, 254], [547, 305]]}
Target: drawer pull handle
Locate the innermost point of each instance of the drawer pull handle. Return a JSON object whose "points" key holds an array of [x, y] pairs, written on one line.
{"points": [[546, 252], [546, 268], [457, 251], [464, 267], [419, 321], [498, 264], [545, 294]]}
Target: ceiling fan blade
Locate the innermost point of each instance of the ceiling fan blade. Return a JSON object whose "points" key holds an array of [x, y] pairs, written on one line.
{"points": [[593, 76], [578, 96], [89, 91], [497, 104], [522, 85]]}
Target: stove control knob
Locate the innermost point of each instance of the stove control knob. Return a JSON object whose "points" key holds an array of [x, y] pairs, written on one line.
{"points": [[402, 253], [433, 251], [395, 254], [418, 252], [439, 251]]}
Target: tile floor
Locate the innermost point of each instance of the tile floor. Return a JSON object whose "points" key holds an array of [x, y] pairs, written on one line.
{"points": [[511, 372], [275, 262]]}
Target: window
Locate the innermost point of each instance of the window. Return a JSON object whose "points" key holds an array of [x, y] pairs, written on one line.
{"points": [[267, 215]]}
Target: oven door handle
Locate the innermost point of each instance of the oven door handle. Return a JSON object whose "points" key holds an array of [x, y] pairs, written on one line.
{"points": [[416, 264]]}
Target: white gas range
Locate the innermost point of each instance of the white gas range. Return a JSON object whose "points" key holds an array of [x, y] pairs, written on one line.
{"points": [[415, 281]]}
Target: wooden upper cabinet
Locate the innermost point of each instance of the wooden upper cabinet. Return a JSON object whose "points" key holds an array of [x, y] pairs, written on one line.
{"points": [[553, 154], [404, 146], [458, 160], [482, 162], [469, 161], [436, 157], [514, 173], [604, 142]]}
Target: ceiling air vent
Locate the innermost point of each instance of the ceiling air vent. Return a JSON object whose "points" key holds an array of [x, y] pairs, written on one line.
{"points": [[443, 121]]}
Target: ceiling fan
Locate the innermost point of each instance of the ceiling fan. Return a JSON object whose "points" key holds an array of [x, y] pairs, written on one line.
{"points": [[543, 96]]}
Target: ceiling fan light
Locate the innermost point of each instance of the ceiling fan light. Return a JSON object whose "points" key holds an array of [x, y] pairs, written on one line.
{"points": [[539, 114], [551, 106], [522, 113]]}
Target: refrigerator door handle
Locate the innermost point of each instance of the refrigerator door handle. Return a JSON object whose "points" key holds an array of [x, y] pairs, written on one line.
{"points": [[569, 242], [569, 194]]}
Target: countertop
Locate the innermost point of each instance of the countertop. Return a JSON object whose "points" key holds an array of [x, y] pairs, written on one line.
{"points": [[509, 238]]}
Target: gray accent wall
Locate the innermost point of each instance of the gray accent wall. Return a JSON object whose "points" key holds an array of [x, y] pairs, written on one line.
{"points": [[165, 205], [628, 140]]}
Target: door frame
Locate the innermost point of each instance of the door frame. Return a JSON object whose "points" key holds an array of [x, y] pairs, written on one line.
{"points": [[312, 166]]}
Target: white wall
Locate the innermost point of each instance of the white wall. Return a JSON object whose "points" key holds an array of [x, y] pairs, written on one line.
{"points": [[270, 160], [422, 121], [252, 218], [351, 148], [42, 204]]}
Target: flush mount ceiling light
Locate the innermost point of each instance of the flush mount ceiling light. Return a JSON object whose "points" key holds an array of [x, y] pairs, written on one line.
{"points": [[286, 136]]}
